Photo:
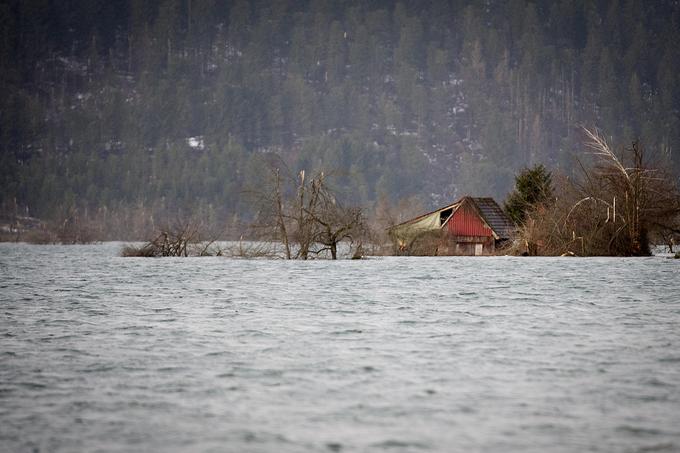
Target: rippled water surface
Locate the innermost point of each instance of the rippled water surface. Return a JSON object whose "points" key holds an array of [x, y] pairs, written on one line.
{"points": [[102, 353]]}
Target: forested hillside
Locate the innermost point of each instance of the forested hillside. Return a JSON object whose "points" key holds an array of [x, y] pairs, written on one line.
{"points": [[149, 108]]}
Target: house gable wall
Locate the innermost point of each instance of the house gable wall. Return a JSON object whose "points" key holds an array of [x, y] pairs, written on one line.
{"points": [[466, 222]]}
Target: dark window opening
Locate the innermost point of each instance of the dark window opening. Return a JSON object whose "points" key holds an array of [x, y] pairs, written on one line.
{"points": [[444, 215]]}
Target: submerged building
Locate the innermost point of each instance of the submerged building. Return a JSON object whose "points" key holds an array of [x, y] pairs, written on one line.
{"points": [[470, 226]]}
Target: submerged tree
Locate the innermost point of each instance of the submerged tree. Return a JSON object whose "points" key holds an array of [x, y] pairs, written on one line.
{"points": [[647, 197], [334, 223], [308, 220], [619, 202]]}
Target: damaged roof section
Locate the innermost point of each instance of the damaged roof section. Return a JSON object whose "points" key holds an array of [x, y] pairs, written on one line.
{"points": [[489, 220]]}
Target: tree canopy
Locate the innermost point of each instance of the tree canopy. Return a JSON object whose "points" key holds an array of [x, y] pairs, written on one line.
{"points": [[532, 187]]}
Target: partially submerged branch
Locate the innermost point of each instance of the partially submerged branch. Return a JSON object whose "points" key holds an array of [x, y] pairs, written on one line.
{"points": [[613, 209], [183, 239]]}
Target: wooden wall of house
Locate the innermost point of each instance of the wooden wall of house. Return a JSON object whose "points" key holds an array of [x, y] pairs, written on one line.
{"points": [[466, 222], [467, 246]]}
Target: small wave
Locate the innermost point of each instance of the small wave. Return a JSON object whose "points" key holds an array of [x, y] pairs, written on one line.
{"points": [[216, 353], [334, 446], [72, 351], [170, 369], [32, 385], [98, 369], [658, 447], [133, 328], [638, 430], [253, 333], [57, 338], [673, 359], [264, 437], [347, 332], [656, 382], [651, 398], [58, 321], [400, 444]]}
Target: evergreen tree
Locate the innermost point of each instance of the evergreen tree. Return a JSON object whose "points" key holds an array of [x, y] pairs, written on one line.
{"points": [[533, 186]]}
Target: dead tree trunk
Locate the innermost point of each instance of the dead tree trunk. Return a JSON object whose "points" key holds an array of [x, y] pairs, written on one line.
{"points": [[281, 216]]}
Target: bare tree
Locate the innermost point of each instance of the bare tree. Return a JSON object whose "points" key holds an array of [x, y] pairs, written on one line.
{"points": [[272, 221], [307, 220], [619, 202], [335, 223], [305, 210], [280, 215], [639, 197]]}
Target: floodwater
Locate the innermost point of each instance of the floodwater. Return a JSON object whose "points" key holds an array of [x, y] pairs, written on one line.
{"points": [[495, 354]]}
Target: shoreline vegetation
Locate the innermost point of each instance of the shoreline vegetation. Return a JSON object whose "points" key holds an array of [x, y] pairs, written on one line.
{"points": [[622, 204], [255, 250]]}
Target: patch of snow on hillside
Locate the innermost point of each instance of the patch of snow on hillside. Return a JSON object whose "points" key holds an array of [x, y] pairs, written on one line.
{"points": [[196, 143]]}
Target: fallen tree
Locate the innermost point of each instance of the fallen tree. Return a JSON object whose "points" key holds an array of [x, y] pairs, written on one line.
{"points": [[182, 239]]}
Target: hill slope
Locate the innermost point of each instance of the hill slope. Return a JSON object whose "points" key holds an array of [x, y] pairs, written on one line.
{"points": [[157, 107]]}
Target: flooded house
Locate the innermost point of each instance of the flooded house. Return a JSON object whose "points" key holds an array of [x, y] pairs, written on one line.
{"points": [[470, 226]]}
